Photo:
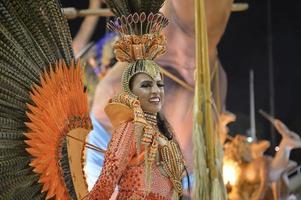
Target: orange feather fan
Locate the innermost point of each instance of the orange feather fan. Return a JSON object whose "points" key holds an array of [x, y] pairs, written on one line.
{"points": [[60, 106]]}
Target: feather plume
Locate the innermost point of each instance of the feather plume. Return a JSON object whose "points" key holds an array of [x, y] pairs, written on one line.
{"points": [[34, 35], [127, 7], [155, 6], [137, 17]]}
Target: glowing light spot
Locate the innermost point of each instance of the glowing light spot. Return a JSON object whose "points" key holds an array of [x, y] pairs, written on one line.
{"points": [[250, 139], [231, 172]]}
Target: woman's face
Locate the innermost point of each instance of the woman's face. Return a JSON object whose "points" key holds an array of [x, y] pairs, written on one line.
{"points": [[150, 91]]}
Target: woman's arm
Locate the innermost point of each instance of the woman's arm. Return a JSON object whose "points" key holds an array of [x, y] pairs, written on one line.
{"points": [[217, 15], [181, 13], [87, 28], [121, 149]]}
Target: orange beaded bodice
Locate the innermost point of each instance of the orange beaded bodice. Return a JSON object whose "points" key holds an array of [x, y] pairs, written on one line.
{"points": [[131, 182], [125, 167]]}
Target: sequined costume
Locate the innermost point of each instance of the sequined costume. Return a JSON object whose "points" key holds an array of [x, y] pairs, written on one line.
{"points": [[125, 165], [94, 160], [121, 151]]}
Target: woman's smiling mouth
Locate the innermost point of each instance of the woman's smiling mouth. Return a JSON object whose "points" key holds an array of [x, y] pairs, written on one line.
{"points": [[154, 100]]}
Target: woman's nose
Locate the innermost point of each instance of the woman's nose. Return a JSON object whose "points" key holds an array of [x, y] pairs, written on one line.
{"points": [[155, 89]]}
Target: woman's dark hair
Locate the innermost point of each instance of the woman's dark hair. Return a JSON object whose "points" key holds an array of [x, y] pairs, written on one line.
{"points": [[164, 126]]}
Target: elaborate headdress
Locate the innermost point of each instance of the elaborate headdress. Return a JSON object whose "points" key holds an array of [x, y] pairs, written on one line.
{"points": [[139, 24]]}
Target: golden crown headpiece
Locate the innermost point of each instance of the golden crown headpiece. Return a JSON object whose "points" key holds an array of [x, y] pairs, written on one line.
{"points": [[140, 36], [139, 24]]}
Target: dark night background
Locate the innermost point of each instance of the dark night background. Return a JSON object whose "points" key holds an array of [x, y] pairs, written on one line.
{"points": [[244, 47]]}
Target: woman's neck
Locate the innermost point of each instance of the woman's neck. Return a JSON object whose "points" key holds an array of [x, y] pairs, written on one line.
{"points": [[151, 118]]}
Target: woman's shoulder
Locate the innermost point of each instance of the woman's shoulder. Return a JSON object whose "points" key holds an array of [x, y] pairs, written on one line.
{"points": [[119, 113], [121, 108]]}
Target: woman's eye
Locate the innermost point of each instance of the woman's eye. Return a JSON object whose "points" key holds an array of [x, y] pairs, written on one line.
{"points": [[160, 85], [146, 85]]}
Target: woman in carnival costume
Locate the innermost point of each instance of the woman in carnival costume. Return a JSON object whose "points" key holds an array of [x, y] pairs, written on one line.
{"points": [[143, 157]]}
